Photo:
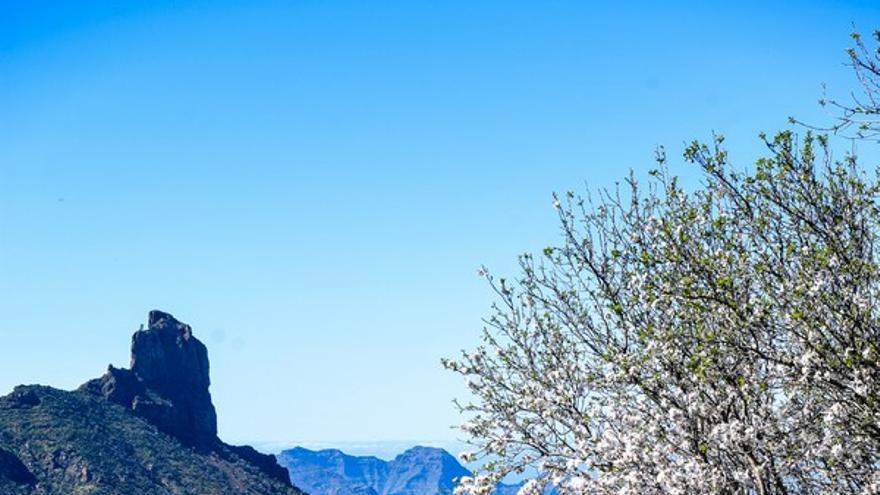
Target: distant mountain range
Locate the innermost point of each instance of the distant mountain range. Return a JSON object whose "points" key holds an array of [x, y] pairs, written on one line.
{"points": [[383, 449], [417, 471]]}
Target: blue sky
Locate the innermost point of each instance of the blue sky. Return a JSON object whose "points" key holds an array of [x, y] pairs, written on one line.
{"points": [[312, 185]]}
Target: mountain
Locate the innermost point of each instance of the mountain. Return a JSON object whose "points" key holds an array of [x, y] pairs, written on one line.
{"points": [[150, 429], [417, 471]]}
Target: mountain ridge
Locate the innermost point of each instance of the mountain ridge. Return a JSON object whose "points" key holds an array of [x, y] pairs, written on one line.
{"points": [[418, 470], [150, 429]]}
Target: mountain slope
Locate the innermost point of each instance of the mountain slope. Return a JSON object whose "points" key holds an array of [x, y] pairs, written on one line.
{"points": [[150, 430], [74, 443]]}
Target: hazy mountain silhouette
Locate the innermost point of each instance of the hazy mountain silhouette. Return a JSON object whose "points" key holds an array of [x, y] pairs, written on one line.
{"points": [[417, 471]]}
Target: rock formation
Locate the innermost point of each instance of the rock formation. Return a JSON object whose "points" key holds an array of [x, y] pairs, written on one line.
{"points": [[167, 383], [168, 386]]}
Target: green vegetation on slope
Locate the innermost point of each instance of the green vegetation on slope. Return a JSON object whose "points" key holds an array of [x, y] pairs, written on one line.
{"points": [[75, 443]]}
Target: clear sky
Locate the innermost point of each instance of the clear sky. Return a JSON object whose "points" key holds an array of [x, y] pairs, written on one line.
{"points": [[312, 184]]}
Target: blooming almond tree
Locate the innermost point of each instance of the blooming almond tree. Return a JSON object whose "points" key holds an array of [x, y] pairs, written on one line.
{"points": [[718, 341], [859, 117]]}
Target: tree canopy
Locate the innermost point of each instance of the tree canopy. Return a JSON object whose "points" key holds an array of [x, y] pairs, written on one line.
{"points": [[719, 340]]}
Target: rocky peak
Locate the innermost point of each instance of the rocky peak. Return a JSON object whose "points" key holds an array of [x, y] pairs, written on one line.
{"points": [[151, 425], [155, 316], [168, 360], [168, 381], [168, 386]]}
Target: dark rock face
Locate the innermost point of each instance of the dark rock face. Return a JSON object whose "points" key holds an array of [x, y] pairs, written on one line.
{"points": [[167, 383], [170, 361], [121, 386], [13, 470], [168, 386]]}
